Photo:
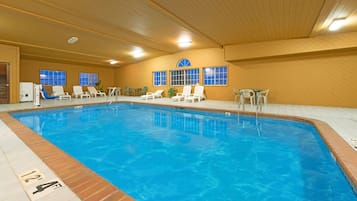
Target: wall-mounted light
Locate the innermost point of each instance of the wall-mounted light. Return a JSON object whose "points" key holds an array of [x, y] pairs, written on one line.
{"points": [[72, 40], [113, 61], [336, 24]]}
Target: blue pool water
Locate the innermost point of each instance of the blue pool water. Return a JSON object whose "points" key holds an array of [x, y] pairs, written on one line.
{"points": [[167, 154]]}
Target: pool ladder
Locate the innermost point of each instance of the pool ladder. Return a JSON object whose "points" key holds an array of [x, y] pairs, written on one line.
{"points": [[112, 93], [258, 108]]}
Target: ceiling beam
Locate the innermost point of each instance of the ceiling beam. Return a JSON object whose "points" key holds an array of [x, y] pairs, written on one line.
{"points": [[271, 49], [52, 49]]}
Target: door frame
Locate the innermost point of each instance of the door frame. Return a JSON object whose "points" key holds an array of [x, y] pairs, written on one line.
{"points": [[7, 74]]}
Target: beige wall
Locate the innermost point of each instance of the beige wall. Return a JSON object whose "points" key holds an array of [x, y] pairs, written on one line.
{"points": [[11, 54], [328, 80], [30, 70], [140, 74], [316, 80]]}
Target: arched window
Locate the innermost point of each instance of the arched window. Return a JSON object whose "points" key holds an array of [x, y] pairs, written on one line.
{"points": [[183, 62]]}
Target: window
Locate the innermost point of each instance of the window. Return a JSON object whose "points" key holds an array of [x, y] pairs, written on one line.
{"points": [[185, 77], [183, 62], [52, 78], [159, 78], [215, 75], [88, 79]]}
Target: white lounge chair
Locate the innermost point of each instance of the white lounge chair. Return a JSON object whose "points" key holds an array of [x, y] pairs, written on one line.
{"points": [[78, 92], [93, 92], [186, 91], [58, 91], [198, 94], [153, 95], [45, 95]]}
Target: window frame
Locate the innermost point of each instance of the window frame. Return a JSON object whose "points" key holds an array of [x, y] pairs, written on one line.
{"points": [[159, 78], [88, 79], [54, 77], [181, 77], [219, 76]]}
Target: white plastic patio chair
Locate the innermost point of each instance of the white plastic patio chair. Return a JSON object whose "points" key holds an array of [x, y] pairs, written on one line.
{"points": [[236, 94], [263, 97], [246, 94]]}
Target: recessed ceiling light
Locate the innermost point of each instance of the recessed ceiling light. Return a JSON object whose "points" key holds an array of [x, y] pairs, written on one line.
{"points": [[137, 53], [113, 61], [72, 40], [185, 44], [337, 24], [184, 41]]}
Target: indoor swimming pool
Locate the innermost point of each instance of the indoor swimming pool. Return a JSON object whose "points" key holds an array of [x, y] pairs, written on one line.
{"points": [[158, 153]]}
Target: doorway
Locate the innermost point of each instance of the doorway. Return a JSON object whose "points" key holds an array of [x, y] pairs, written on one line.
{"points": [[4, 83]]}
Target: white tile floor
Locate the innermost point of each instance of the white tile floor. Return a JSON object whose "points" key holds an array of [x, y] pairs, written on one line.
{"points": [[16, 157]]}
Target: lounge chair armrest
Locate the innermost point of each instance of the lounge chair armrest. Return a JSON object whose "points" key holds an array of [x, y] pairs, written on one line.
{"points": [[149, 93]]}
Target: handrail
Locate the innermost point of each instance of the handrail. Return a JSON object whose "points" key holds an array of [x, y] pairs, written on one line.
{"points": [[114, 93]]}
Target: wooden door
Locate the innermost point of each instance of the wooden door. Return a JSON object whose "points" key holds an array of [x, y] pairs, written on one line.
{"points": [[4, 83]]}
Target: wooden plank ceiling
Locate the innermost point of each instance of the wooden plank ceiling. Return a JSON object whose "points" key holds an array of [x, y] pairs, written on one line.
{"points": [[113, 29]]}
